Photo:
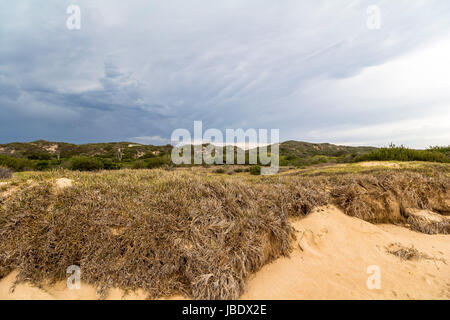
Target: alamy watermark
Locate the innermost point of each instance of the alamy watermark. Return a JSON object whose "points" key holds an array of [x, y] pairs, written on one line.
{"points": [[74, 280], [373, 17], [73, 22], [256, 144], [374, 280]]}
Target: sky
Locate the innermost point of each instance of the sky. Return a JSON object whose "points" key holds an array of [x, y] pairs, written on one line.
{"points": [[319, 71]]}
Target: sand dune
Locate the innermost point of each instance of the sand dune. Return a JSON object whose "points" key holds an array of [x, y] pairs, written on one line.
{"points": [[330, 261], [338, 249]]}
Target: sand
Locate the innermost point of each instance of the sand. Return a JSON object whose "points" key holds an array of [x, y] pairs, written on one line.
{"points": [[379, 164], [63, 183], [330, 261]]}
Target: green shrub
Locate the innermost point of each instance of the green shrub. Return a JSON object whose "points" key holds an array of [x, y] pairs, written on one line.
{"points": [[5, 173], [86, 164], [108, 164], [444, 150], [139, 164], [220, 170], [17, 164], [403, 154], [42, 165], [255, 170], [38, 156], [155, 162]]}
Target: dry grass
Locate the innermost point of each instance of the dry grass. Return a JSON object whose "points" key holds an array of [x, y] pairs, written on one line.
{"points": [[405, 253], [410, 253], [428, 222], [5, 173], [171, 232], [382, 197], [160, 231]]}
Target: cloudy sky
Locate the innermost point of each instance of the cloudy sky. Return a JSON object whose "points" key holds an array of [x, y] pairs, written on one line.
{"points": [[137, 70]]}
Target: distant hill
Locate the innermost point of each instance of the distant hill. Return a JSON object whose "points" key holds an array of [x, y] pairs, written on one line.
{"points": [[46, 150], [45, 155], [304, 153], [305, 149]]}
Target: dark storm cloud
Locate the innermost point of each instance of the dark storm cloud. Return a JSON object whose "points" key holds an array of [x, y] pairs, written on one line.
{"points": [[136, 71]]}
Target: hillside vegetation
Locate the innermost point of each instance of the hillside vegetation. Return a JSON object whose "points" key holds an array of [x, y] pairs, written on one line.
{"points": [[43, 155], [434, 154], [172, 232]]}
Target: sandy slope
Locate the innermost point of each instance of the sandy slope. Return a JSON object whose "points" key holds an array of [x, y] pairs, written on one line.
{"points": [[338, 249], [329, 262]]}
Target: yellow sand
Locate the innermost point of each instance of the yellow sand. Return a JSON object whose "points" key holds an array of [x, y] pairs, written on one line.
{"points": [[329, 261]]}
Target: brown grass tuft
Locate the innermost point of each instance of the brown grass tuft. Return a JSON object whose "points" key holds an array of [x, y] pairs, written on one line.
{"points": [[382, 197], [405, 253], [428, 222]]}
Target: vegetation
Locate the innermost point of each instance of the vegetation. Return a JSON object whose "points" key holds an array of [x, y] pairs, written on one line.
{"points": [[43, 155], [298, 153], [86, 164], [444, 150], [5, 173], [404, 154], [171, 232], [255, 170]]}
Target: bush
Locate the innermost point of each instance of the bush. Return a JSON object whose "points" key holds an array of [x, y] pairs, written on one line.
{"points": [[156, 162], [255, 170], [86, 164], [38, 156], [42, 165], [140, 164], [108, 164], [5, 173], [220, 170], [444, 150], [16, 164], [403, 154]]}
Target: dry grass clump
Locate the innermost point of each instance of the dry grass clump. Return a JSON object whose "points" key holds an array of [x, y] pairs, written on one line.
{"points": [[405, 253], [295, 196], [383, 196], [163, 232], [428, 222], [5, 173]]}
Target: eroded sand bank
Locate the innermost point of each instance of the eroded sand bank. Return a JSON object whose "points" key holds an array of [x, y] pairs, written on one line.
{"points": [[329, 261]]}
